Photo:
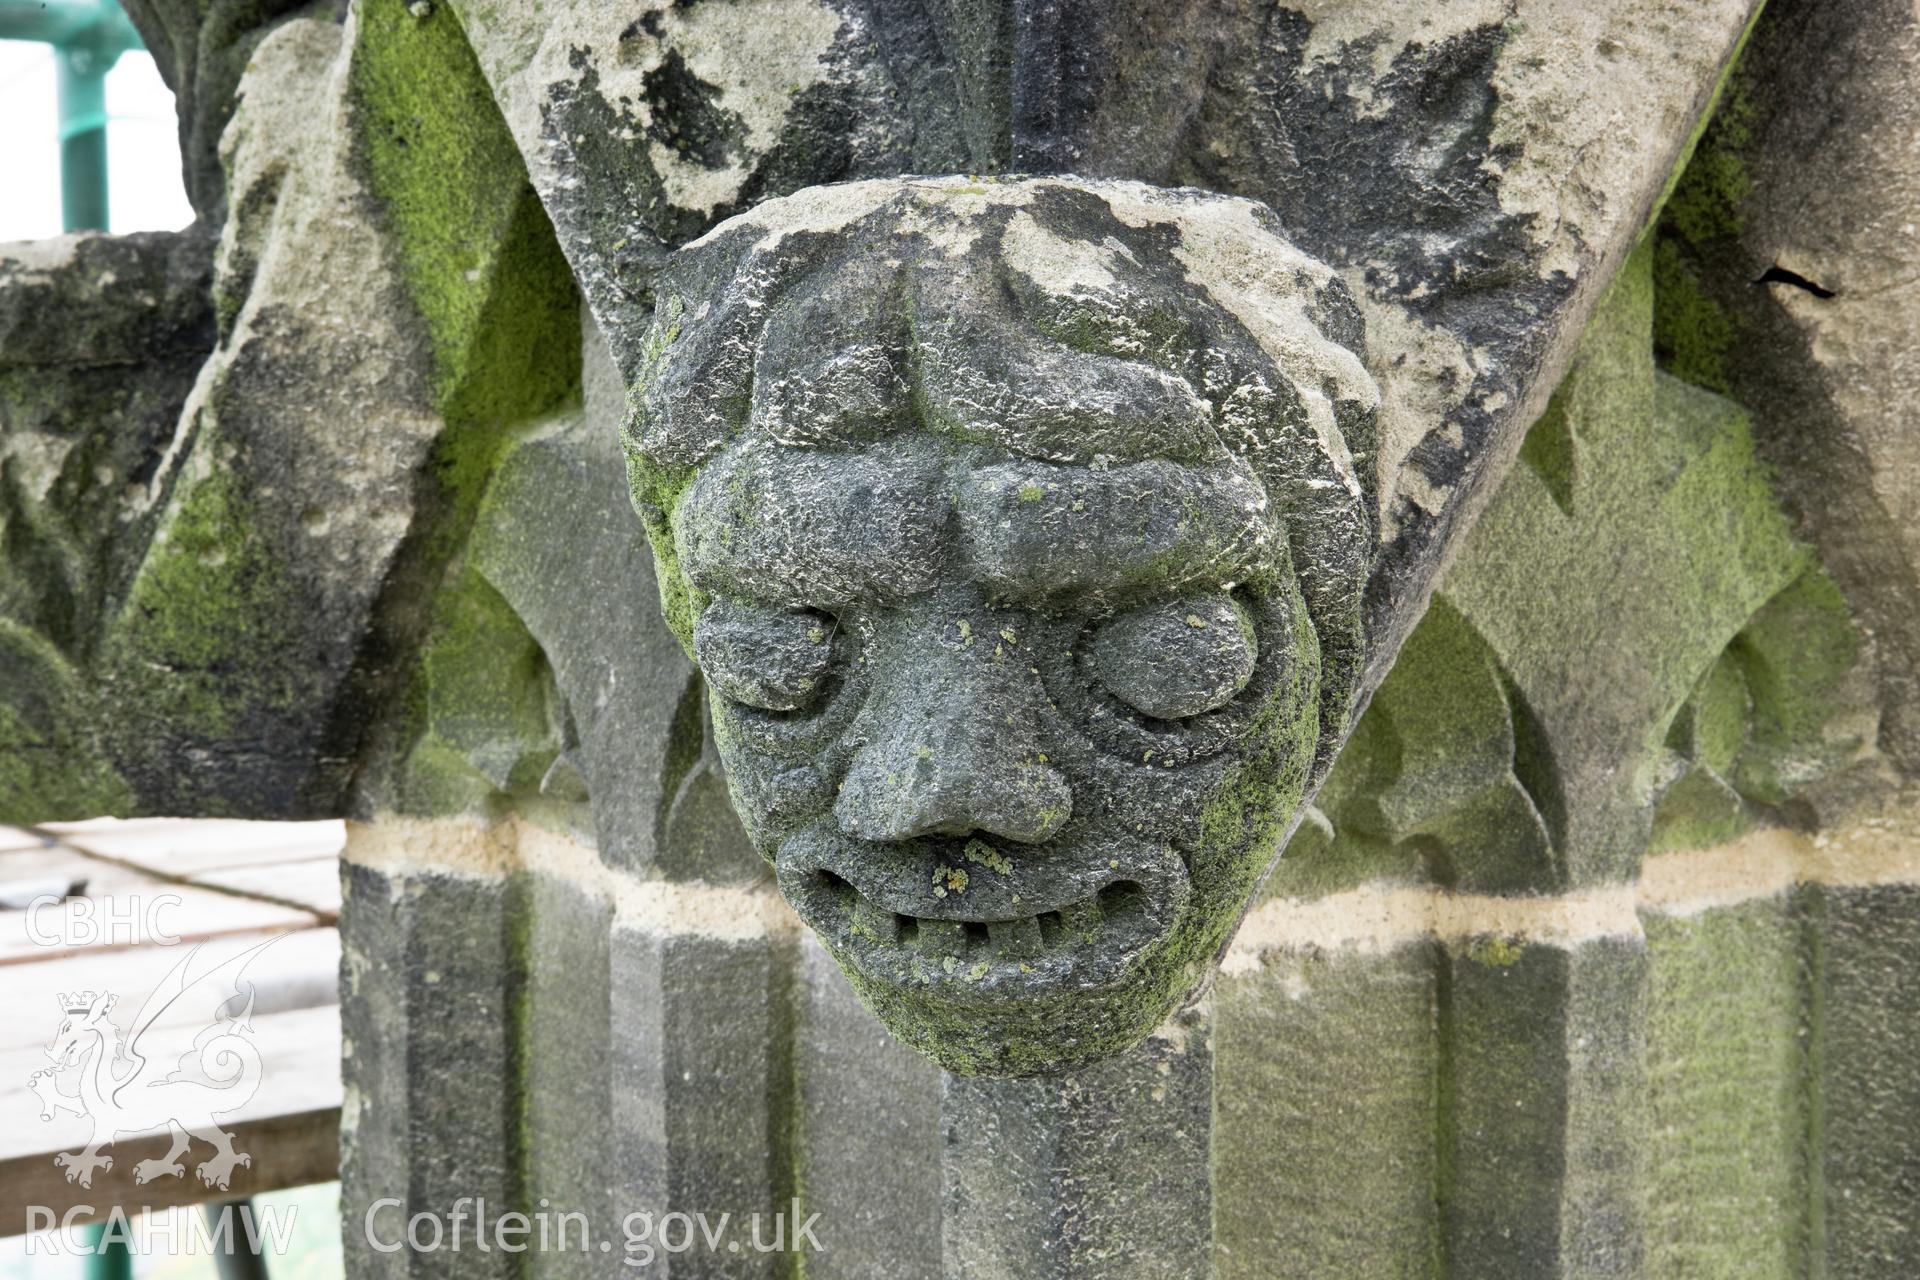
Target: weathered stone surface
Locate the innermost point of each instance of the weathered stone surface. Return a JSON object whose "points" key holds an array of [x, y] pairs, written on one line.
{"points": [[101, 339], [626, 712], [867, 1126], [564, 1047], [1539, 1131], [1865, 1006], [645, 128], [938, 473], [703, 1086], [1507, 753], [1727, 1044], [1475, 260], [1324, 1160], [294, 460], [1786, 257], [430, 976], [1052, 1177], [273, 548], [1444, 1048]]}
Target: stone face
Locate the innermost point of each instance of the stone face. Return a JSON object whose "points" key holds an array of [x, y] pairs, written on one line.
{"points": [[1475, 261], [1057, 593]]}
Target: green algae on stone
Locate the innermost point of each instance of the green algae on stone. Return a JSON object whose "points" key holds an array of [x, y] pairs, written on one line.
{"points": [[489, 704], [197, 644], [1726, 1058], [1323, 1101], [1693, 334], [1649, 496], [475, 248], [51, 768]]}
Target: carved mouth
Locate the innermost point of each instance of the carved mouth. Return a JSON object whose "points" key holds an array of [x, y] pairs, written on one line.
{"points": [[988, 945]]}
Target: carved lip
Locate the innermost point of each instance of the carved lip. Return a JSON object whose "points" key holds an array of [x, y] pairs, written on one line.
{"points": [[1001, 927]]}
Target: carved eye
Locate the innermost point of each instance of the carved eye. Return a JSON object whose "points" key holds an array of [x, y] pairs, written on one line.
{"points": [[1177, 658], [773, 659]]}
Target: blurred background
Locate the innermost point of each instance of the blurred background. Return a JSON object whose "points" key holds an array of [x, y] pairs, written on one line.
{"points": [[75, 85], [144, 190]]}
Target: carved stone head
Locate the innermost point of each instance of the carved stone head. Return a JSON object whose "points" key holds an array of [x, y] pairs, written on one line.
{"points": [[1019, 528]]}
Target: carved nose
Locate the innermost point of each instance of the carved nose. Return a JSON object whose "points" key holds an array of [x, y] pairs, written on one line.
{"points": [[955, 757]]}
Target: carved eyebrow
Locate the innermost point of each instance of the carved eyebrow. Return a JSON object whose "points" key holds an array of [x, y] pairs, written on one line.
{"points": [[1084, 538], [816, 528]]}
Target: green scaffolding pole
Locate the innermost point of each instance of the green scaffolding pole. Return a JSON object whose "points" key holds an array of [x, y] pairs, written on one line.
{"points": [[111, 1259], [88, 37]]}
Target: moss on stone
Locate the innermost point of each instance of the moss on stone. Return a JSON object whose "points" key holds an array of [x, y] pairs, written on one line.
{"points": [[1708, 182], [199, 641], [1693, 334], [51, 768], [476, 250], [1724, 1055], [1472, 743], [1813, 708], [498, 308], [1496, 952], [490, 709]]}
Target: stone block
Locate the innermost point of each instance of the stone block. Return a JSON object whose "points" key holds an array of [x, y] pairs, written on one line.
{"points": [[703, 1087], [1726, 1057], [1865, 1013], [431, 980], [1323, 1134], [866, 1135], [1102, 1173]]}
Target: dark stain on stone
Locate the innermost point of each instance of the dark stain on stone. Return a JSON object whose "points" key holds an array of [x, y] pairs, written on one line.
{"points": [[688, 117]]}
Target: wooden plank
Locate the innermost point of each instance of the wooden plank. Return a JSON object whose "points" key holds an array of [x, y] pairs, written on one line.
{"points": [[313, 884], [292, 1150], [189, 847]]}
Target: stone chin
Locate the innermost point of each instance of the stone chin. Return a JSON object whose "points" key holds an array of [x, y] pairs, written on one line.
{"points": [[1019, 528]]}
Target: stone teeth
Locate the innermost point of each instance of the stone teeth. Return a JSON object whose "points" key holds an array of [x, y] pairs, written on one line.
{"points": [[942, 938], [1081, 920], [1016, 939], [875, 921]]}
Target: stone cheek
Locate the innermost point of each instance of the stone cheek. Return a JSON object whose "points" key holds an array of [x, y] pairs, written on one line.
{"points": [[1011, 670]]}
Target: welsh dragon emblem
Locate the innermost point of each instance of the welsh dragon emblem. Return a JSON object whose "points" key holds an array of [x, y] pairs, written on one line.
{"points": [[107, 1077]]}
